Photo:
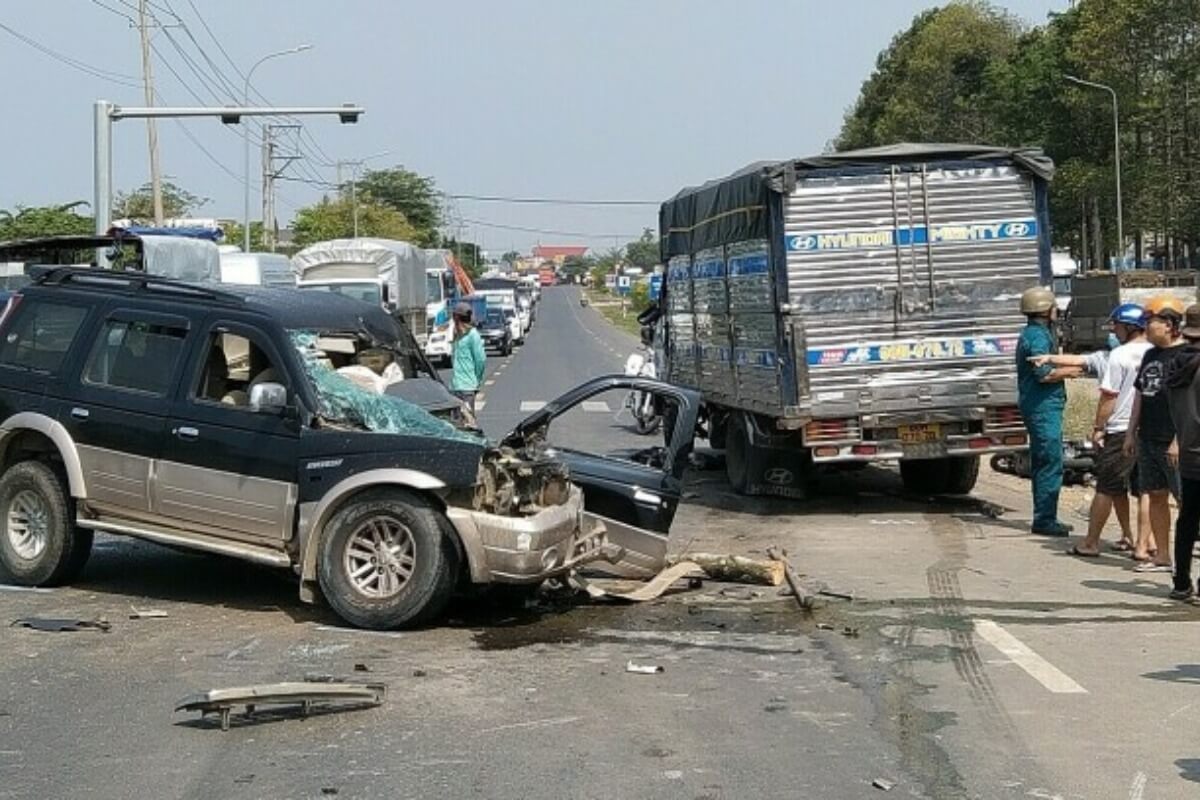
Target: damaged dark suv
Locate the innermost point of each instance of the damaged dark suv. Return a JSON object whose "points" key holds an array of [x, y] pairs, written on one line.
{"points": [[302, 431]]}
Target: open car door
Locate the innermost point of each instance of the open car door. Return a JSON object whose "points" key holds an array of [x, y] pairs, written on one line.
{"points": [[631, 482]]}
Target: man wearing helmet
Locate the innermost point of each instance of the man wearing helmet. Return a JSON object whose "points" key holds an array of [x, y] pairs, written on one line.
{"points": [[1151, 430], [1113, 463], [1041, 397]]}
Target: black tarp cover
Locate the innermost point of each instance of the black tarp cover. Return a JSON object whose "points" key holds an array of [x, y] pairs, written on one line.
{"points": [[735, 208]]}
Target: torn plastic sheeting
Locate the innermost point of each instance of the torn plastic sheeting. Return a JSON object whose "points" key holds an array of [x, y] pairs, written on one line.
{"points": [[341, 400]]}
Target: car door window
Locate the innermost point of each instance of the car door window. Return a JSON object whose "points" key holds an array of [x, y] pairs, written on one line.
{"points": [[232, 366], [604, 425], [137, 356], [41, 336]]}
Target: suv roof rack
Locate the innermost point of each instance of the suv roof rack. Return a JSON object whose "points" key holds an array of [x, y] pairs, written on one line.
{"points": [[128, 281]]}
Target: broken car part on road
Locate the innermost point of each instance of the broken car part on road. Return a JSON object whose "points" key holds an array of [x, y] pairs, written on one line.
{"points": [[53, 625], [305, 695]]}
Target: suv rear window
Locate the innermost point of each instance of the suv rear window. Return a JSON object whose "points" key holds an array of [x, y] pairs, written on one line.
{"points": [[138, 356], [41, 335]]}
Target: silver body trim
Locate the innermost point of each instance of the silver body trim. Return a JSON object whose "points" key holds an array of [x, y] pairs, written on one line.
{"points": [[190, 540]]}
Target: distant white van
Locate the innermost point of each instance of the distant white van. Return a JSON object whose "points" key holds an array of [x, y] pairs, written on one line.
{"points": [[257, 269]]}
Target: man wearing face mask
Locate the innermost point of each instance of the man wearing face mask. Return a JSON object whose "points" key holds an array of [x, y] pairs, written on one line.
{"points": [[1041, 397]]}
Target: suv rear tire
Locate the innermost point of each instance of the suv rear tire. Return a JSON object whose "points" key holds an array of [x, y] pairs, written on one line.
{"points": [[421, 568], [39, 542]]}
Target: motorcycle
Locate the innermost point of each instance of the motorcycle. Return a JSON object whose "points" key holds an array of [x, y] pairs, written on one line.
{"points": [[647, 416]]}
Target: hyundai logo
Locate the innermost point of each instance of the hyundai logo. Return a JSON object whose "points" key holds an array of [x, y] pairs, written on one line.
{"points": [[778, 476], [1016, 229], [804, 243]]}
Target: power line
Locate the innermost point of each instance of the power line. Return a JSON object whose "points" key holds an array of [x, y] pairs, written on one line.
{"points": [[577, 234], [551, 201], [98, 72]]}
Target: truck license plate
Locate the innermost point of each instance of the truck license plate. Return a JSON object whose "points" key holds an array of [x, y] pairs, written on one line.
{"points": [[920, 434]]}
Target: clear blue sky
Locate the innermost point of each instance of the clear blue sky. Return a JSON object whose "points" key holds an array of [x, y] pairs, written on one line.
{"points": [[612, 99]]}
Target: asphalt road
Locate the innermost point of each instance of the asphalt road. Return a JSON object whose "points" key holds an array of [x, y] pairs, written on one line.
{"points": [[974, 662]]}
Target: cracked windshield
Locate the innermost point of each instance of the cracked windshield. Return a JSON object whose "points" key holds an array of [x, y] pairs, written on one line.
{"points": [[730, 415]]}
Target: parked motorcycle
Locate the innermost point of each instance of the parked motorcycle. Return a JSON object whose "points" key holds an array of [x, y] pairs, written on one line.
{"points": [[647, 416]]}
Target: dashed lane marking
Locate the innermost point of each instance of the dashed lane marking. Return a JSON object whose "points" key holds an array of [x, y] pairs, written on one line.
{"points": [[489, 383], [1020, 654], [596, 406], [533, 405]]}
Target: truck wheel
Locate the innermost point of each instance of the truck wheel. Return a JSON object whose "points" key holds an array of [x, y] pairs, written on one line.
{"points": [[385, 562], [737, 451], [40, 545], [951, 475], [718, 430]]}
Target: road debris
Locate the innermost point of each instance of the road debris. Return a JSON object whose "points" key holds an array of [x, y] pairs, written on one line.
{"points": [[804, 598], [652, 589], [883, 783], [734, 569], [52, 625], [147, 613], [643, 669], [305, 695], [361, 668], [824, 626]]}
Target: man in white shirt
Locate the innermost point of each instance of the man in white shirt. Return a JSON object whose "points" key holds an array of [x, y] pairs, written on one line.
{"points": [[1117, 391]]}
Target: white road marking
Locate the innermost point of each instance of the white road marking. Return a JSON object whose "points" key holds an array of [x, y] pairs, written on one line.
{"points": [[596, 406], [489, 383], [533, 405], [537, 723], [1020, 654], [1138, 789]]}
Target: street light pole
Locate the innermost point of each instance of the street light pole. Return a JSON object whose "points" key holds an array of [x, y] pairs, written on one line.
{"points": [[354, 165], [1116, 158], [246, 138]]}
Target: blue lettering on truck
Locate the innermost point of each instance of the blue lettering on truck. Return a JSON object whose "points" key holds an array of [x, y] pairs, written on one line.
{"points": [[918, 235], [924, 350]]}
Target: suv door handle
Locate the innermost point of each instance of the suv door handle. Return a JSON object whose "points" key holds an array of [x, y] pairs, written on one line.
{"points": [[646, 498], [186, 432], [80, 413]]}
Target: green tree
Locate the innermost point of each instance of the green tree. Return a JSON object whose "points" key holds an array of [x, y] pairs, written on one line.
{"points": [[415, 196], [643, 253], [510, 257], [578, 265], [930, 84], [36, 221], [233, 234], [138, 205], [334, 219]]}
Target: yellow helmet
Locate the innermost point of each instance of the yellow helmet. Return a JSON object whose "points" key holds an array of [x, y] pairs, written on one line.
{"points": [[1037, 300], [1160, 303]]}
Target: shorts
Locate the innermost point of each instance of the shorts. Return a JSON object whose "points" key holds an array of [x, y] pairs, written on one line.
{"points": [[1113, 467], [1155, 473]]}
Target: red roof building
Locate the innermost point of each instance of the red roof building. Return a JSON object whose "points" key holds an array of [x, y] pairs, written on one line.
{"points": [[557, 253]]}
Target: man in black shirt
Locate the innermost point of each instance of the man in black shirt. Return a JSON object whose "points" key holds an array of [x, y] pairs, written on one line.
{"points": [[1183, 390], [1151, 430]]}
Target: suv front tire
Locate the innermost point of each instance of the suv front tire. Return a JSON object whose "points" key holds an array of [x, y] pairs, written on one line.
{"points": [[39, 543], [386, 562]]}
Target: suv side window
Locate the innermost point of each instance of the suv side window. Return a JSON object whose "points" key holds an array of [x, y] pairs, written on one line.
{"points": [[135, 356], [41, 335], [234, 365]]}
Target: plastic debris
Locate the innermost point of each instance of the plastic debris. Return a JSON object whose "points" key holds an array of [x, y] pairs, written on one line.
{"points": [[643, 669], [147, 613], [305, 696], [883, 783]]}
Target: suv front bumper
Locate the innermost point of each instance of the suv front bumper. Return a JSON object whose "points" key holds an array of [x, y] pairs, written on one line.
{"points": [[502, 549]]}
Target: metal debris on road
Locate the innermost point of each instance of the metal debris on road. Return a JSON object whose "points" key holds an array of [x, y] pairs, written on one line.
{"points": [[883, 783], [643, 669], [304, 695], [147, 613], [52, 625]]}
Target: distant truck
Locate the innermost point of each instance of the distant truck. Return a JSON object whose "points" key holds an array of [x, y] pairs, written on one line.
{"points": [[547, 276], [1094, 295], [257, 269], [384, 272], [856, 307]]}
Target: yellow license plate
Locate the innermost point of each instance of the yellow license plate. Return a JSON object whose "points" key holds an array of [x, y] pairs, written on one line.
{"points": [[920, 434]]}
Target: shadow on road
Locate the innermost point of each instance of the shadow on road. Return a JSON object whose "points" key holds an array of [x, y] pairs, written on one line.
{"points": [[1138, 586], [1189, 769], [1184, 673]]}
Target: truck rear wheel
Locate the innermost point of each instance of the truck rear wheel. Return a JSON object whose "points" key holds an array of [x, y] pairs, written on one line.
{"points": [[950, 475], [737, 453]]}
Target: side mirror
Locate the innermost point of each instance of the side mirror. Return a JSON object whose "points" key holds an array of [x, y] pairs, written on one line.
{"points": [[268, 397]]}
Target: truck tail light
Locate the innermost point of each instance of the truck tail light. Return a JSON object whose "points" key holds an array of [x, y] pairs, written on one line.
{"points": [[832, 430]]}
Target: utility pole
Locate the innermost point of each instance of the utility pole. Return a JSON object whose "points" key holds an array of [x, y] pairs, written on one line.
{"points": [[151, 129], [268, 212]]}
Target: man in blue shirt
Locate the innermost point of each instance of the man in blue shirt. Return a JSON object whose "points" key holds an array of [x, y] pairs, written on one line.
{"points": [[1042, 397]]}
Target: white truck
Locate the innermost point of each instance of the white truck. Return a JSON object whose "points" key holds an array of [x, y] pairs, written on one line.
{"points": [[257, 269], [386, 272]]}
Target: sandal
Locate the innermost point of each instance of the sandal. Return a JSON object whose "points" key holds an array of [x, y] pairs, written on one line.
{"points": [[1150, 566], [1075, 551], [1121, 546]]}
